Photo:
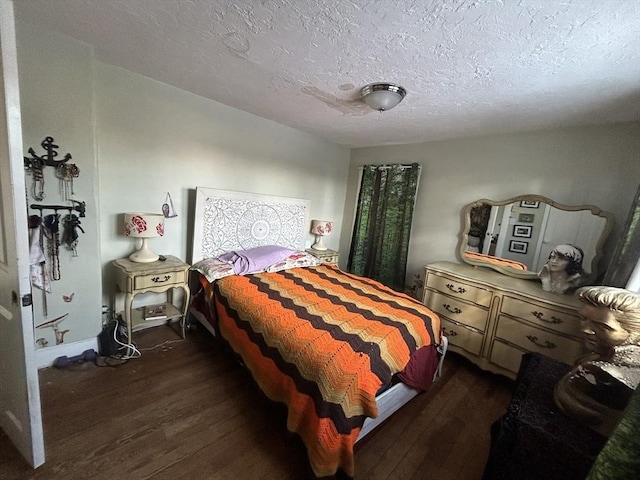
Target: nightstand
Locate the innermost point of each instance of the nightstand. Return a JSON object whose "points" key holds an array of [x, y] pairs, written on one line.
{"points": [[327, 256], [161, 276]]}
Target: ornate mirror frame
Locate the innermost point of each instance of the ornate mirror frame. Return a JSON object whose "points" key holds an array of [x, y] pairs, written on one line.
{"points": [[537, 205]]}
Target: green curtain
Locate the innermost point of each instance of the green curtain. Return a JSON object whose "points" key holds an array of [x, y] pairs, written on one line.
{"points": [[619, 458], [380, 241], [627, 252]]}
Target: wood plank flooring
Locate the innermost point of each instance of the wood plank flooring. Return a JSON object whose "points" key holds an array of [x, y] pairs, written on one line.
{"points": [[186, 410]]}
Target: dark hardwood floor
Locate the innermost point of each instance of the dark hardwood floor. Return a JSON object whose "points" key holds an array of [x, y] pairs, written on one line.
{"points": [[186, 410]]}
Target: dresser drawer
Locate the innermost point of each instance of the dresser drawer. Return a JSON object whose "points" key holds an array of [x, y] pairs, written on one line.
{"points": [[506, 356], [534, 339], [459, 289], [158, 280], [562, 321], [461, 336], [462, 312]]}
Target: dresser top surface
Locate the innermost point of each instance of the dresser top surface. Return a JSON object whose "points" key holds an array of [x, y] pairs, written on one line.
{"points": [[531, 288]]}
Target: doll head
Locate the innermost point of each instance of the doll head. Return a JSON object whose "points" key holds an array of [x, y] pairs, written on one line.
{"points": [[611, 317], [566, 257]]}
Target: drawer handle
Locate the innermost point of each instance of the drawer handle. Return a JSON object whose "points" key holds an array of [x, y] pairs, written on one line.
{"points": [[455, 289], [161, 280], [546, 344], [448, 308], [540, 316], [450, 333]]}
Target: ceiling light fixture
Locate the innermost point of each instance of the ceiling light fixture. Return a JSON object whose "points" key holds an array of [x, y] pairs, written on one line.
{"points": [[382, 96]]}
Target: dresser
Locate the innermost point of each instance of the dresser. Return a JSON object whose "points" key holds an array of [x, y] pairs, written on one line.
{"points": [[493, 319]]}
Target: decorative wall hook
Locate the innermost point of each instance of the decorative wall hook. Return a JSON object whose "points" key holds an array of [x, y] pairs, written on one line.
{"points": [[49, 158], [36, 163]]}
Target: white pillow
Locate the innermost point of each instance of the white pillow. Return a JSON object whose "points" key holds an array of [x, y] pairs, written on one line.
{"points": [[295, 260], [213, 269]]}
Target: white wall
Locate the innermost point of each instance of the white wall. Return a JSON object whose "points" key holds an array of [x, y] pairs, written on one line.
{"points": [[153, 139], [575, 166], [134, 139], [57, 100]]}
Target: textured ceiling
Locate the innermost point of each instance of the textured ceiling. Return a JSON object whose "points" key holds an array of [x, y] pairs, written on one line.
{"points": [[471, 67]]}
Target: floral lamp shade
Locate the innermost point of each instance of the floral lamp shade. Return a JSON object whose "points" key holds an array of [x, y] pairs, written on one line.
{"points": [[144, 226], [320, 228]]}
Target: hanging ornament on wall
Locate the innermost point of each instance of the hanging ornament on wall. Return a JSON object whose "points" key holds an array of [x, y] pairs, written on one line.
{"points": [[59, 334], [37, 185], [168, 210], [66, 172], [51, 224]]}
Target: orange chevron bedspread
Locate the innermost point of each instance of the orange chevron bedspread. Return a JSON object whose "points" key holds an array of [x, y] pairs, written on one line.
{"points": [[501, 262], [323, 342]]}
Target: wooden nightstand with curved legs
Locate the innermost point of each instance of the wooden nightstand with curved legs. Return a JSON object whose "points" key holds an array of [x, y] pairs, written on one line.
{"points": [[160, 276], [327, 256]]}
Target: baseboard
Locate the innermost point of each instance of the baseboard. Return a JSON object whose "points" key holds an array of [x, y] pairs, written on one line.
{"points": [[46, 356]]}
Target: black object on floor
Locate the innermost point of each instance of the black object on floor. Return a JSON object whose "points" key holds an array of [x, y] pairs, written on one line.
{"points": [[534, 439], [106, 343]]}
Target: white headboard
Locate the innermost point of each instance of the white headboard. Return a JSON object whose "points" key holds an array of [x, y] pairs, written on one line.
{"points": [[226, 220]]}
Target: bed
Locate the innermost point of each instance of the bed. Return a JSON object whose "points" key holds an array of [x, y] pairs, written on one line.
{"points": [[342, 352], [500, 262]]}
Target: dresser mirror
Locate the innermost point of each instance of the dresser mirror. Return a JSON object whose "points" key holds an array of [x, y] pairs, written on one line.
{"points": [[515, 236]]}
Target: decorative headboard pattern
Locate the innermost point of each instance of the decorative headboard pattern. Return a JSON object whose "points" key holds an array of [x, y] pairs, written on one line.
{"points": [[226, 220]]}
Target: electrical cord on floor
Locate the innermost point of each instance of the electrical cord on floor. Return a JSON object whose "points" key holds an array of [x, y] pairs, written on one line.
{"points": [[118, 359], [130, 349], [163, 344]]}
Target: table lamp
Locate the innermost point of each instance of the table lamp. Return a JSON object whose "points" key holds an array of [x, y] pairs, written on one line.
{"points": [[320, 228], [144, 226]]}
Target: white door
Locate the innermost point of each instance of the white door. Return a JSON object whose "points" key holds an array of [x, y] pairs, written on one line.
{"points": [[493, 230], [20, 415]]}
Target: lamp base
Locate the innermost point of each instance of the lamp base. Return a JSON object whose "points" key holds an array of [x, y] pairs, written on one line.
{"points": [[144, 255], [318, 245]]}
